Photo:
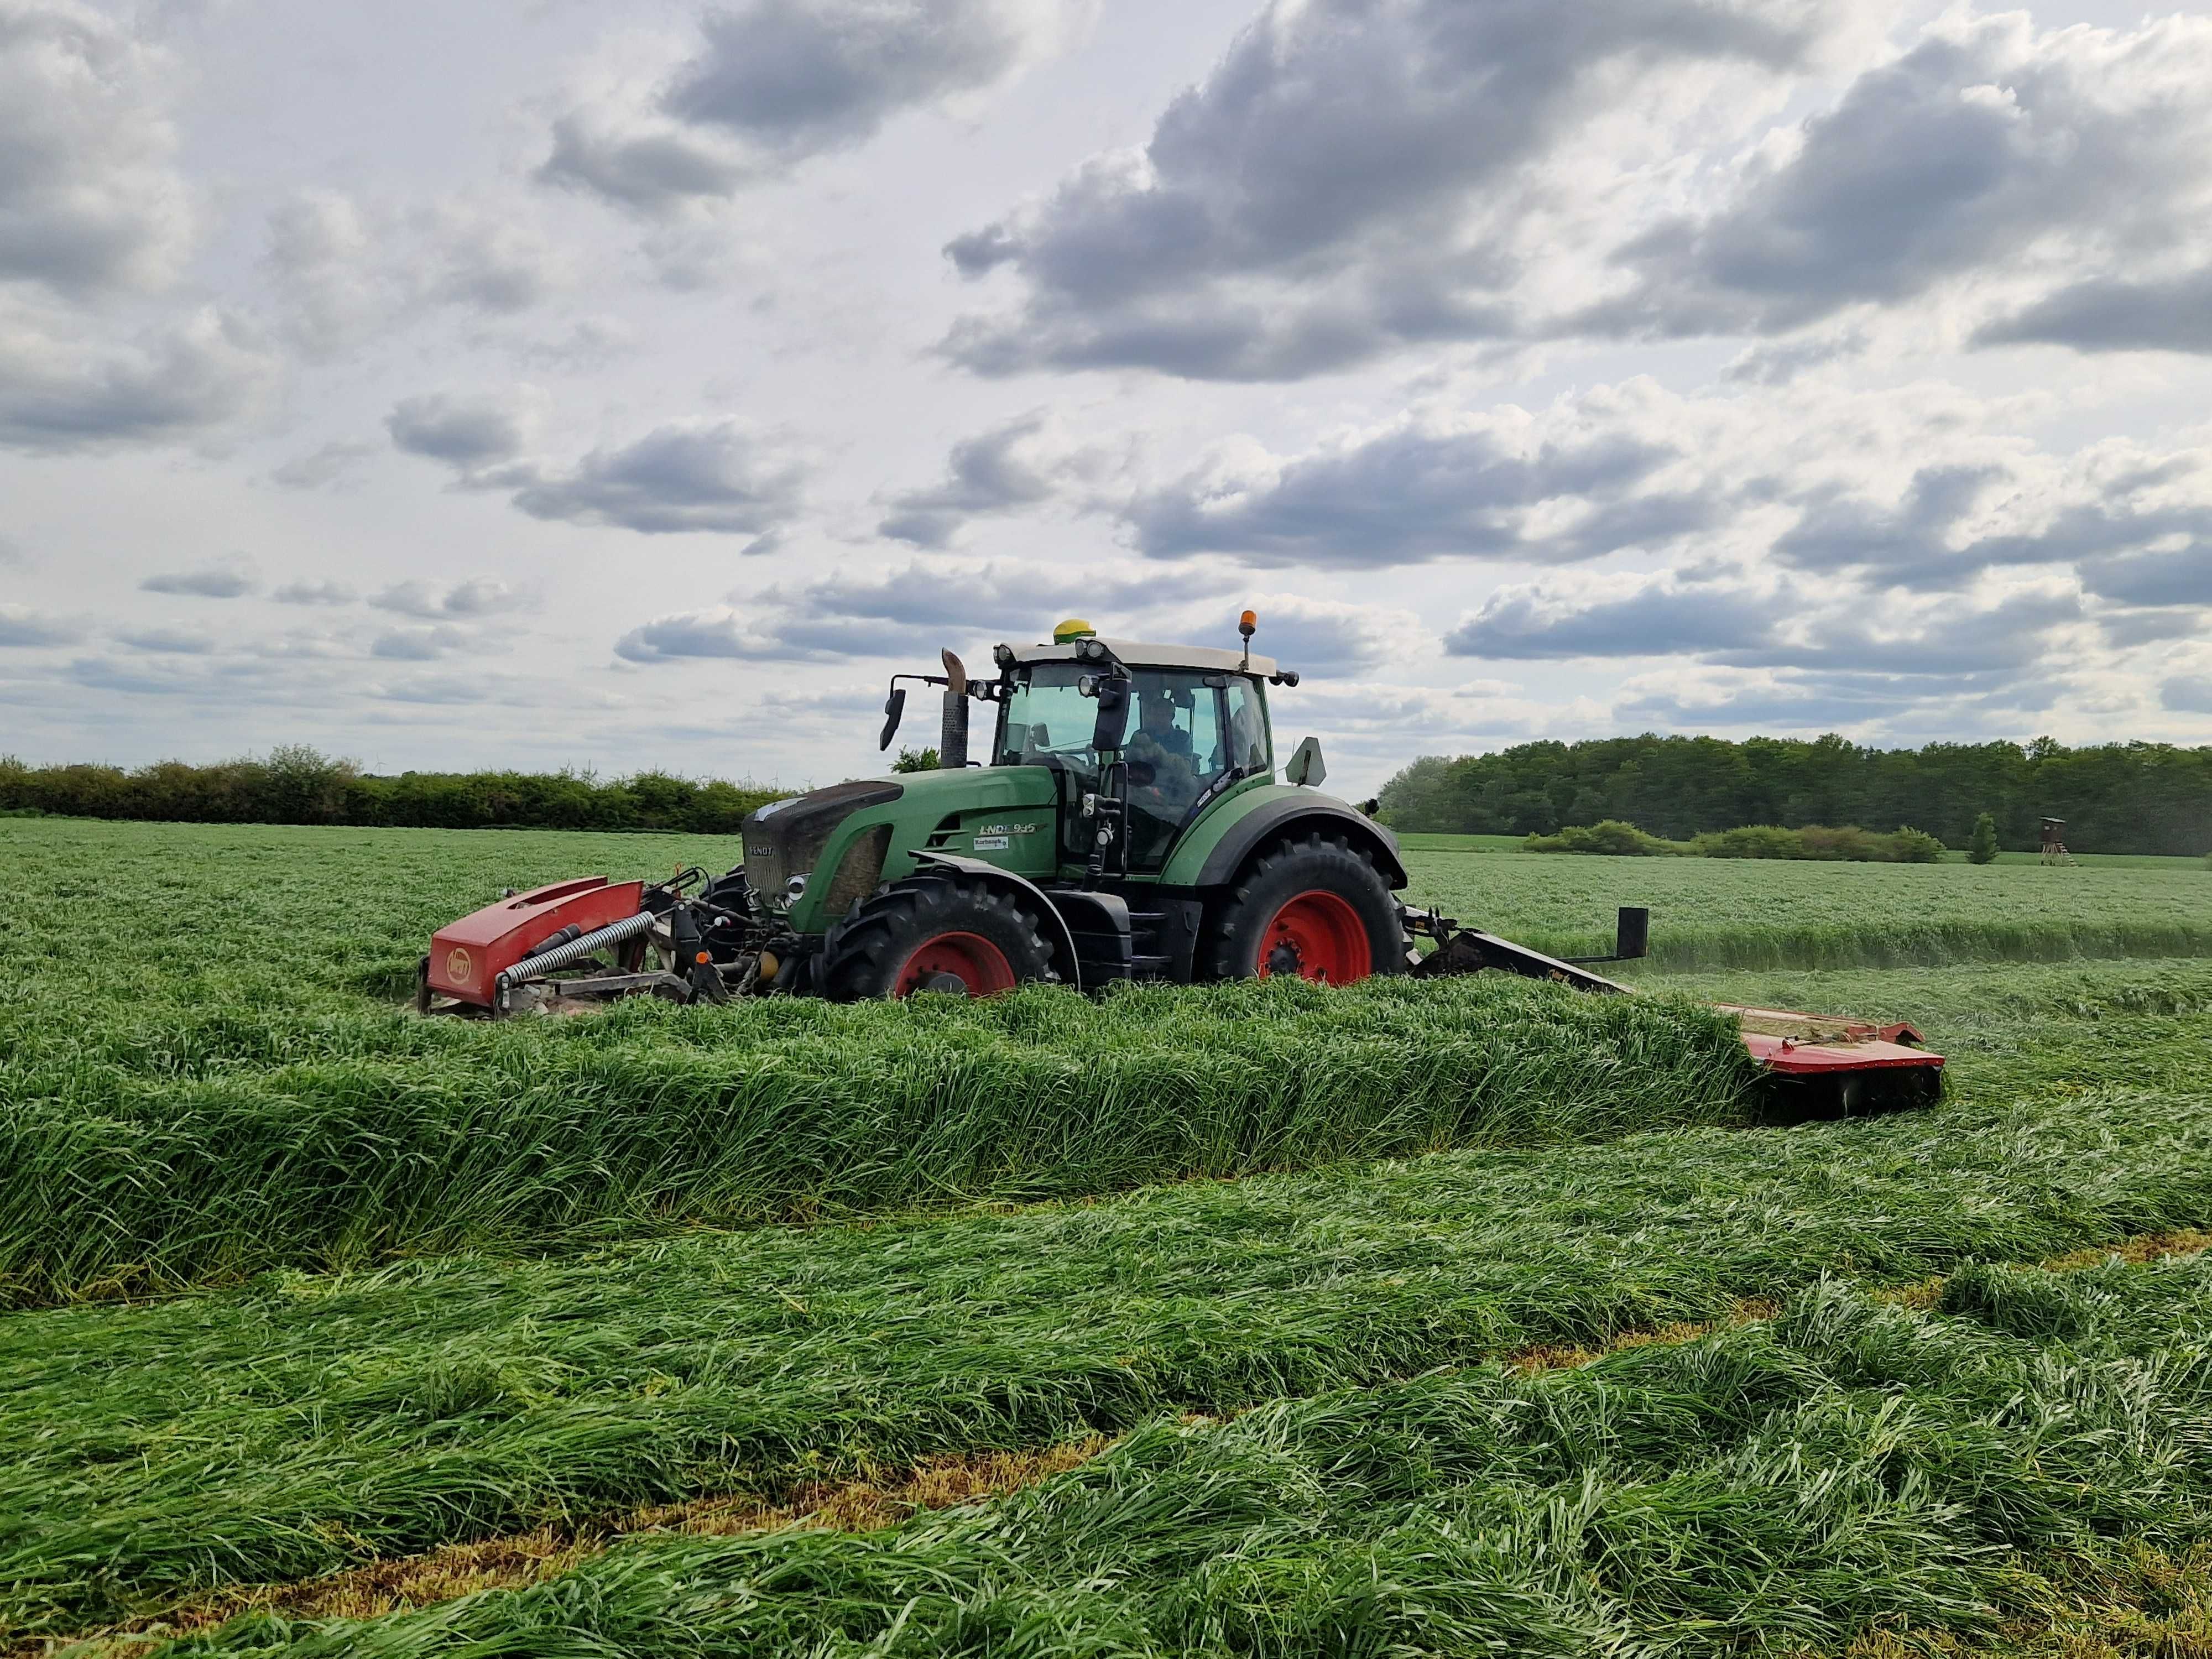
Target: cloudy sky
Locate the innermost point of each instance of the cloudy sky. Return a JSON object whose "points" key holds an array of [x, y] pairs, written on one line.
{"points": [[533, 382]]}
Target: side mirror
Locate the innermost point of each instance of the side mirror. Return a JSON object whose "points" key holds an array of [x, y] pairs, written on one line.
{"points": [[1306, 765], [894, 708], [1113, 727]]}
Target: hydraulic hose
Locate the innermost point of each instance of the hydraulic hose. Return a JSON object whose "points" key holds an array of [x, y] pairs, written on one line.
{"points": [[575, 949]]}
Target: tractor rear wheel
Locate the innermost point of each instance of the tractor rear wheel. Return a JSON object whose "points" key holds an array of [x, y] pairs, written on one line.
{"points": [[1316, 908], [934, 933]]}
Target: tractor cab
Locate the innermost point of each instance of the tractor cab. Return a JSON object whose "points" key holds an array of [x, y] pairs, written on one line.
{"points": [[1193, 726]]}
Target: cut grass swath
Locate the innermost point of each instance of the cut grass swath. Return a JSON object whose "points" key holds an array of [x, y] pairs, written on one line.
{"points": [[1772, 1487], [305, 1424], [204, 1148]]}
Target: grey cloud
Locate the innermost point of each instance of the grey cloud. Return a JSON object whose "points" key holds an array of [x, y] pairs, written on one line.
{"points": [[20, 626], [1732, 623], [11, 553], [2125, 628], [463, 431], [1326, 193], [918, 609], [1633, 619], [993, 472], [796, 77], [1416, 492], [1320, 641], [2182, 578], [711, 476], [214, 582], [315, 593], [775, 81], [478, 598], [324, 467], [2113, 536], [105, 674], [60, 391], [1967, 155], [2186, 694], [722, 632], [647, 170], [1954, 644], [419, 644], [442, 689], [343, 270], [168, 642], [2112, 314], [1786, 707], [89, 195]]}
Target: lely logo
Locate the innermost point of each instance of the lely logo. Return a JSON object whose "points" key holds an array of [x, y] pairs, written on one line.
{"points": [[458, 969]]}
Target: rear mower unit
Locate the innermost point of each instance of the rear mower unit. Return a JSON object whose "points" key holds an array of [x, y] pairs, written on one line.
{"points": [[1081, 853]]}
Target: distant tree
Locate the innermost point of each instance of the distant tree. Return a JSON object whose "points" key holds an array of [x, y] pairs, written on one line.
{"points": [[1982, 847], [915, 760]]}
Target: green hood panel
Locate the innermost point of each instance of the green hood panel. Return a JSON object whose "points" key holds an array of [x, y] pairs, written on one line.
{"points": [[926, 803]]}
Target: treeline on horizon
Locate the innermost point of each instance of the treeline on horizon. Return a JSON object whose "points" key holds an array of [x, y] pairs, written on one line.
{"points": [[297, 784], [2116, 797]]}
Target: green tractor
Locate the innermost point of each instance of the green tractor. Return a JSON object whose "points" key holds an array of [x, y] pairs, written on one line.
{"points": [[1129, 822]]}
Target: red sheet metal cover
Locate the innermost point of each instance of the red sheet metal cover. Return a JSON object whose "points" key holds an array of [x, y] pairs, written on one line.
{"points": [[1785, 1041], [1797, 1059], [466, 955]]}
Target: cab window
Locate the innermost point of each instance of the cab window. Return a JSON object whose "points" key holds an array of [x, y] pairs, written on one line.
{"points": [[1248, 748]]}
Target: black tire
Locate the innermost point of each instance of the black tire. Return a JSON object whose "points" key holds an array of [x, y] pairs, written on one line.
{"points": [[1287, 869], [874, 951]]}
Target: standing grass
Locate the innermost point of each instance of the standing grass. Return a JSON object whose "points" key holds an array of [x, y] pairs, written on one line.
{"points": [[1712, 914]]}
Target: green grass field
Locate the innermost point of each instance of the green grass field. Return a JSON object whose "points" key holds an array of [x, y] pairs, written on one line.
{"points": [[571, 1300]]}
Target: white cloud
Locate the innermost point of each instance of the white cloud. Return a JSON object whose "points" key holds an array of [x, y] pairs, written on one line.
{"points": [[343, 270], [62, 389], [716, 477], [1357, 175], [480, 597], [91, 198]]}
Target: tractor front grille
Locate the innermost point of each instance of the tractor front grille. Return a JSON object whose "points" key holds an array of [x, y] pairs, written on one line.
{"points": [[786, 837]]}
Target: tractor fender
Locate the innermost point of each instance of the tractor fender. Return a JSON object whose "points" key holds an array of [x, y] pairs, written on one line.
{"points": [[1057, 933], [1295, 812]]}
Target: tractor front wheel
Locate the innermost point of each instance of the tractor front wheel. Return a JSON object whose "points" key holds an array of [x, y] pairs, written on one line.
{"points": [[933, 933], [1315, 909]]}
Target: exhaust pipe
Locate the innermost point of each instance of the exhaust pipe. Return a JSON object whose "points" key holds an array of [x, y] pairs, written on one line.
{"points": [[952, 738]]}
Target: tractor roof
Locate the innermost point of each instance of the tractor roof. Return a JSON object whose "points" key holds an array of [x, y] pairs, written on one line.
{"points": [[1137, 654]]}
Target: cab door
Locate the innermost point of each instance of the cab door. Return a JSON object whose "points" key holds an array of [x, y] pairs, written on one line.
{"points": [[1179, 748]]}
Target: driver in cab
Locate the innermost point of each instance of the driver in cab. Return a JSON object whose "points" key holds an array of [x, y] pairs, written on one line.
{"points": [[1164, 747]]}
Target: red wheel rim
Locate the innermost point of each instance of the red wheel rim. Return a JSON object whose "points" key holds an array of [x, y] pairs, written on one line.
{"points": [[981, 966], [1319, 936]]}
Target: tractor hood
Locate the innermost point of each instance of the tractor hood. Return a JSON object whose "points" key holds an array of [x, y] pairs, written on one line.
{"points": [[802, 836], [785, 838]]}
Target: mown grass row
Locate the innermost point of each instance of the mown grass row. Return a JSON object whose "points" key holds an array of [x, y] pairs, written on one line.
{"points": [[304, 1423], [1770, 1488], [192, 1148]]}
